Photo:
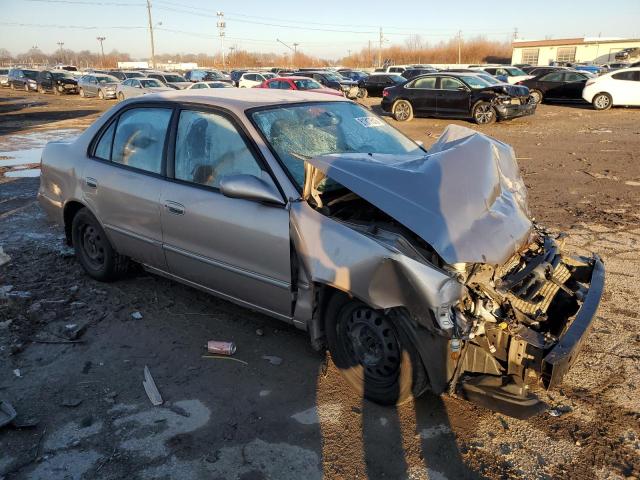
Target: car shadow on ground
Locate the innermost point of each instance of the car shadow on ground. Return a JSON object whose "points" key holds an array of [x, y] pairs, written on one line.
{"points": [[18, 122]]}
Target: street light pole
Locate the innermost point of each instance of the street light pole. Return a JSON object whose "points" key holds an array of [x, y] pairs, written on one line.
{"points": [[61, 44], [101, 39], [221, 26]]}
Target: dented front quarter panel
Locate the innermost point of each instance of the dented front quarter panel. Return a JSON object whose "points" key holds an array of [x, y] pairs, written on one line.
{"points": [[334, 254]]}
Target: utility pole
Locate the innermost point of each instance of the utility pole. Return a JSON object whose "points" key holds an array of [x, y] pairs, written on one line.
{"points": [[515, 33], [101, 39], [459, 47], [369, 59], [231, 49], [221, 26], [380, 40], [153, 47], [61, 44]]}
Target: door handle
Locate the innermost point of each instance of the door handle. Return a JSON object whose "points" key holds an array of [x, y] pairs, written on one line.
{"points": [[174, 207], [91, 182]]}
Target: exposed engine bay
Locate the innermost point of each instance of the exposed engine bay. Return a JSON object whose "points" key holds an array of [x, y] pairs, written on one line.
{"points": [[499, 308]]}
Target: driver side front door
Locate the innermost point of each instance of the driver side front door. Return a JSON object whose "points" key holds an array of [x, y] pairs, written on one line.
{"points": [[235, 248]]}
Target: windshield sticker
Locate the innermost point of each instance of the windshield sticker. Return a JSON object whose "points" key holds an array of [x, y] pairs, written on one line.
{"points": [[369, 122]]}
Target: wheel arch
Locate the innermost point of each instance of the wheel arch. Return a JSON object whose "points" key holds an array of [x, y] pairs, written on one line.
{"points": [[71, 208]]}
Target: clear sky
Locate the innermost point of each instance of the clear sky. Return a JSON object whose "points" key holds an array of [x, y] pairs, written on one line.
{"points": [[325, 28]]}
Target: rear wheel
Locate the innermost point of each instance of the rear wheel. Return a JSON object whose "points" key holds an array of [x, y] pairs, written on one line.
{"points": [[13, 87], [100, 94], [41, 89], [26, 87], [602, 101], [362, 92], [536, 96], [120, 96], [81, 92], [93, 249], [402, 111], [56, 90], [484, 113], [372, 352]]}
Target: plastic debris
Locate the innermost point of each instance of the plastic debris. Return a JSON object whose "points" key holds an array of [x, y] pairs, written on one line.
{"points": [[150, 387], [7, 413], [136, 316], [4, 258], [17, 372], [273, 360]]}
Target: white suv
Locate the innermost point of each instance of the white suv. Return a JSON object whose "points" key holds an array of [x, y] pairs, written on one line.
{"points": [[253, 79], [621, 87]]}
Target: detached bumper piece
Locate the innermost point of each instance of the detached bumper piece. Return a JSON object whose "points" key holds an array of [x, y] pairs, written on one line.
{"points": [[558, 361], [493, 393], [507, 111]]}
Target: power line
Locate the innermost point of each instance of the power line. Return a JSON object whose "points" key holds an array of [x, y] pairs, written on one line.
{"points": [[79, 27], [92, 4]]}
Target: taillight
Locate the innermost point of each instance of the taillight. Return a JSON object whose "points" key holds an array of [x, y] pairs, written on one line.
{"points": [[385, 92]]}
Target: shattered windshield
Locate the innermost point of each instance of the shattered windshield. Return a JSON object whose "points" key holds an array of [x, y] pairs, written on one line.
{"points": [[311, 130]]}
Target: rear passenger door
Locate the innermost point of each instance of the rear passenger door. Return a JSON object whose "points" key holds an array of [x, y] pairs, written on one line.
{"points": [[422, 94], [625, 88], [573, 85], [123, 180], [234, 247]]}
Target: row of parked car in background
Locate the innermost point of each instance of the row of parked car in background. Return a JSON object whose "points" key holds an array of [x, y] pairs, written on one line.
{"points": [[484, 93]]}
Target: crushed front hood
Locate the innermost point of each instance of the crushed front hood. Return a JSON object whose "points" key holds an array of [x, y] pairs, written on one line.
{"points": [[465, 197]]}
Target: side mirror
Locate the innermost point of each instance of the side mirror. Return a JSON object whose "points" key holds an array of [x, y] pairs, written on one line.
{"points": [[462, 88], [250, 187]]}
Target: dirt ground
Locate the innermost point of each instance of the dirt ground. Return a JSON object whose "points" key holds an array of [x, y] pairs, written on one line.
{"points": [[83, 412]]}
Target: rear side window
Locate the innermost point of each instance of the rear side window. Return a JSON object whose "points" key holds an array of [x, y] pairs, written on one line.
{"points": [[552, 77], [208, 147], [429, 82], [103, 148], [573, 77], [139, 138]]}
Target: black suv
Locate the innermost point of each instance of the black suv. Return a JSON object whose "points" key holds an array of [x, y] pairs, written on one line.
{"points": [[333, 80], [58, 82], [457, 95], [23, 79]]}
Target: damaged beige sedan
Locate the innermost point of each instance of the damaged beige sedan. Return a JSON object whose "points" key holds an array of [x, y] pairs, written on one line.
{"points": [[419, 270]]}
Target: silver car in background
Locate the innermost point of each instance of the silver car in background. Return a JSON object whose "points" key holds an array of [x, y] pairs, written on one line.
{"points": [[135, 87], [98, 85], [4, 77], [417, 270], [172, 80]]}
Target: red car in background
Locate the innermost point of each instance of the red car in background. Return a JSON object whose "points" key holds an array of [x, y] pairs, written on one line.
{"points": [[298, 83]]}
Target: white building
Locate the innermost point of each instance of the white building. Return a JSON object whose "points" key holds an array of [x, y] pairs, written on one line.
{"points": [[593, 50]]}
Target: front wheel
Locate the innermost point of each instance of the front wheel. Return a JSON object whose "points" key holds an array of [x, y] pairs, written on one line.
{"points": [[100, 94], [402, 111], [81, 92], [26, 87], [120, 97], [372, 352], [41, 89], [362, 93], [93, 249], [602, 101], [484, 113], [536, 96]]}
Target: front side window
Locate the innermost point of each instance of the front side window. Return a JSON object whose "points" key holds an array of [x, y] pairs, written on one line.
{"points": [[448, 83], [322, 128], [307, 84], [573, 77], [139, 138], [208, 147], [475, 81], [150, 83]]}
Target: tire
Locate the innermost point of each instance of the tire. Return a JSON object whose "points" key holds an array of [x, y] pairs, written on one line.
{"points": [[536, 95], [120, 97], [372, 352], [93, 249], [100, 94], [26, 87], [12, 86], [41, 89], [484, 114], [362, 93], [602, 101], [402, 111], [56, 91], [81, 92]]}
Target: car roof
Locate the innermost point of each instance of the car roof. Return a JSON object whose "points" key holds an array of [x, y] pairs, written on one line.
{"points": [[239, 100]]}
